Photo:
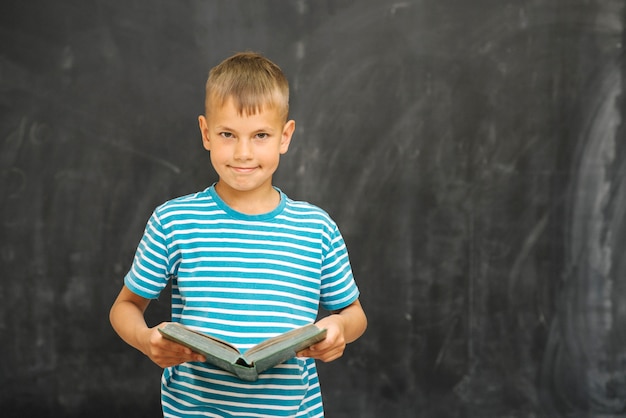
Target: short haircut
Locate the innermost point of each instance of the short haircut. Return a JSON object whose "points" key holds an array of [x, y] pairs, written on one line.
{"points": [[252, 81]]}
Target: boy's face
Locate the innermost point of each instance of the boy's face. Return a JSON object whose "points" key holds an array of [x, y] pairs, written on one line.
{"points": [[245, 149]]}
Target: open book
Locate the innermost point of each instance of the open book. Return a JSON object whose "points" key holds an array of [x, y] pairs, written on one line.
{"points": [[255, 360]]}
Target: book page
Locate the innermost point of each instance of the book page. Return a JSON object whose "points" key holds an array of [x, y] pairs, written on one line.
{"points": [[294, 336]]}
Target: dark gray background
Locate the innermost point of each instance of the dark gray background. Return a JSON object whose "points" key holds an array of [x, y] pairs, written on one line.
{"points": [[472, 153]]}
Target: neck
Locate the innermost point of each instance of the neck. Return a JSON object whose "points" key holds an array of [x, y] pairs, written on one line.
{"points": [[249, 202]]}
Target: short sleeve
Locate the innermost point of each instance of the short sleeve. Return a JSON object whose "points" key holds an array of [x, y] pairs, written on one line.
{"points": [[149, 272], [338, 288]]}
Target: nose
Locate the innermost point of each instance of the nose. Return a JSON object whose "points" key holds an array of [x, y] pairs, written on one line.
{"points": [[243, 150]]}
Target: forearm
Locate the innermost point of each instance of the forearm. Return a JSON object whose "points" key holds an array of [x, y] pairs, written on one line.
{"points": [[353, 320], [127, 319]]}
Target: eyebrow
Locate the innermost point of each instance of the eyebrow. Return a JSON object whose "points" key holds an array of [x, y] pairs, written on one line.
{"points": [[262, 129]]}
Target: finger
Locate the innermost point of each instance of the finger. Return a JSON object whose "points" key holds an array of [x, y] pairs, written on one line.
{"points": [[331, 356], [172, 359], [198, 357], [174, 347], [186, 355]]}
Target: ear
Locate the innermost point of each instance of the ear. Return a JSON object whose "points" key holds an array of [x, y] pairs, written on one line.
{"points": [[285, 140], [204, 130]]}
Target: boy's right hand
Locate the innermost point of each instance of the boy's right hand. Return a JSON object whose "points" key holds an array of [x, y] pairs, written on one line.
{"points": [[164, 352]]}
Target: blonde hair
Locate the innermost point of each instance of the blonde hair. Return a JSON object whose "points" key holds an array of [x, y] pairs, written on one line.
{"points": [[252, 81]]}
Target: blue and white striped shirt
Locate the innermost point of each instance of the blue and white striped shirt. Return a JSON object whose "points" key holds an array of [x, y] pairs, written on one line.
{"points": [[243, 278]]}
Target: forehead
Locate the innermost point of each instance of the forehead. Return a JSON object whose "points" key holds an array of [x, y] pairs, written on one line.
{"points": [[230, 113]]}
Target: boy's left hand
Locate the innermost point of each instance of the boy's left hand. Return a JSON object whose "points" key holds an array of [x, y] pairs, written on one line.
{"points": [[342, 327], [333, 346]]}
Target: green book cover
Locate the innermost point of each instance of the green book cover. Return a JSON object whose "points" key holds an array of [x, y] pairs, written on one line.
{"points": [[255, 360]]}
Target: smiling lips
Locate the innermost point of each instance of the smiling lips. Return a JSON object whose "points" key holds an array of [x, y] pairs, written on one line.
{"points": [[243, 170]]}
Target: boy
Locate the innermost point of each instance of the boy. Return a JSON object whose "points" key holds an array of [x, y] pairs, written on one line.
{"points": [[246, 262]]}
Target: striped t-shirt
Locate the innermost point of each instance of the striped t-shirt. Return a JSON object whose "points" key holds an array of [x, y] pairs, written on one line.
{"points": [[242, 278]]}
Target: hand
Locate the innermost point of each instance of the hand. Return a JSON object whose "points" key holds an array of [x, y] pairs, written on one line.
{"points": [[333, 346], [164, 352], [343, 327]]}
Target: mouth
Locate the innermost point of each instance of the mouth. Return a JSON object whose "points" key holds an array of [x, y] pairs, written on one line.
{"points": [[243, 170]]}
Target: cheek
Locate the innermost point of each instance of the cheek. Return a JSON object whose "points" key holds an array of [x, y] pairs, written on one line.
{"points": [[217, 159], [219, 153], [271, 156]]}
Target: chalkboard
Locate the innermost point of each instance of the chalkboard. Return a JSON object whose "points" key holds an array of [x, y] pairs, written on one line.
{"points": [[471, 152]]}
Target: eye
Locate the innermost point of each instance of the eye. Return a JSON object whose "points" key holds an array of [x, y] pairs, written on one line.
{"points": [[262, 135], [226, 134]]}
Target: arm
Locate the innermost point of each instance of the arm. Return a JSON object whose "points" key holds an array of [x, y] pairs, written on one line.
{"points": [[127, 319], [343, 327]]}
